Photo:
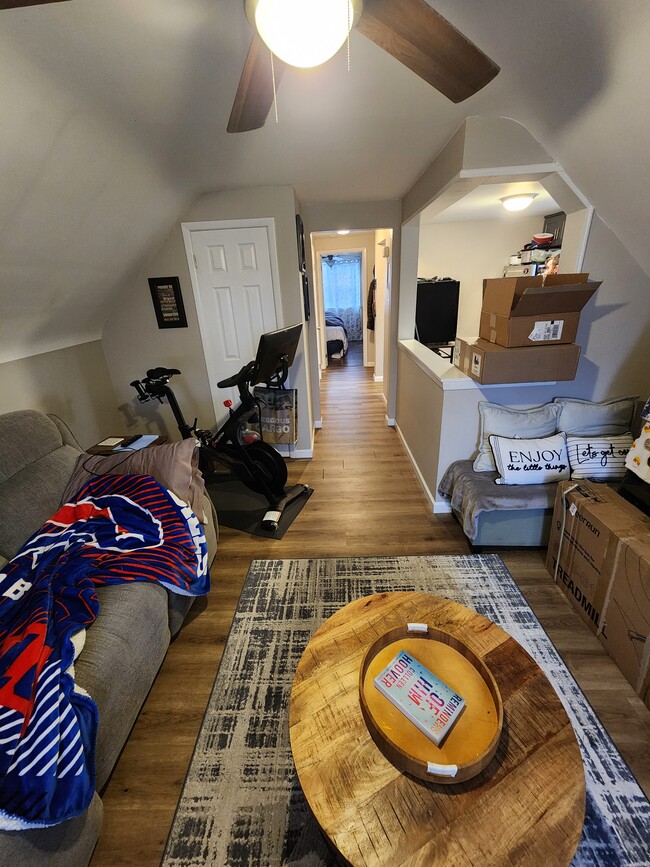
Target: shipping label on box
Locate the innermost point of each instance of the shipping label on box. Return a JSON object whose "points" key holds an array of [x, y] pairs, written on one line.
{"points": [[625, 623], [596, 519]]}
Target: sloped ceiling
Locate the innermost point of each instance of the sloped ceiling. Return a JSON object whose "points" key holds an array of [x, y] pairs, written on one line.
{"points": [[114, 115]]}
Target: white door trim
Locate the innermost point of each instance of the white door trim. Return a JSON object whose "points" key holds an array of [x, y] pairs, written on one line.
{"points": [[267, 223]]}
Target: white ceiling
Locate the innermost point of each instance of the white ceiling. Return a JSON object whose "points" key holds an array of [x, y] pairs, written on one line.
{"points": [[482, 203], [114, 116]]}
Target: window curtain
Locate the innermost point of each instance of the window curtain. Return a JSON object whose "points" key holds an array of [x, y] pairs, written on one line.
{"points": [[342, 290]]}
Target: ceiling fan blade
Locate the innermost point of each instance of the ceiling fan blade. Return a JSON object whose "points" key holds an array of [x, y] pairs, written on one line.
{"points": [[14, 4], [416, 35], [254, 96]]}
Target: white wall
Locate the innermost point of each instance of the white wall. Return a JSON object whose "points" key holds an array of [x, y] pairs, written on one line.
{"points": [[470, 251], [133, 342]]}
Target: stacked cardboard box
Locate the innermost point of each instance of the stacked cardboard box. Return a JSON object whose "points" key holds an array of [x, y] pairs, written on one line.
{"points": [[601, 561], [528, 325]]}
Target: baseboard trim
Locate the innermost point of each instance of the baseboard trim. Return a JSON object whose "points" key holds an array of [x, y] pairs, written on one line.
{"points": [[378, 378], [390, 422], [286, 452], [437, 507]]}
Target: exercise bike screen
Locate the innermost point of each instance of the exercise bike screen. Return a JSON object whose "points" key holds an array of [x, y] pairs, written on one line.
{"points": [[273, 346]]}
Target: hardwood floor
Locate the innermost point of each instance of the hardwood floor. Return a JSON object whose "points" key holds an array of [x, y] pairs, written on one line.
{"points": [[366, 501]]}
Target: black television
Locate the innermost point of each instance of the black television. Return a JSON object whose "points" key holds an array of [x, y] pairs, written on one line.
{"points": [[436, 312], [276, 352]]}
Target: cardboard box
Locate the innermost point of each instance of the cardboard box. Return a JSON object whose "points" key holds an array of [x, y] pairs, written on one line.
{"points": [[553, 328], [489, 363], [625, 624], [537, 296], [604, 571], [597, 518]]}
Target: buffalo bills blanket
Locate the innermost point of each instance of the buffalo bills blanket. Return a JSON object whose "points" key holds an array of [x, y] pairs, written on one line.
{"points": [[117, 529]]}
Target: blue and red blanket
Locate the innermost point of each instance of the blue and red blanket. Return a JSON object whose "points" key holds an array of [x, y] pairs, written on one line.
{"points": [[117, 529]]}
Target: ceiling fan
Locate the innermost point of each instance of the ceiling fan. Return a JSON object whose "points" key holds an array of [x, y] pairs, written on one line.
{"points": [[410, 30]]}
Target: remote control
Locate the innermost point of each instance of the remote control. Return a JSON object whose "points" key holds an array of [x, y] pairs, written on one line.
{"points": [[128, 441]]}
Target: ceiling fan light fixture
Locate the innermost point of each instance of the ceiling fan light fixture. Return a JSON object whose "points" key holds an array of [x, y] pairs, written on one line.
{"points": [[518, 202], [303, 33]]}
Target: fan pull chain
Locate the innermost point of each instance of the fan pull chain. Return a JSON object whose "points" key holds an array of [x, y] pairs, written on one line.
{"points": [[349, 28], [275, 95]]}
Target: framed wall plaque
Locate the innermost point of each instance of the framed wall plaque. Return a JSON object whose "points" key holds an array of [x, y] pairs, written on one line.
{"points": [[168, 302]]}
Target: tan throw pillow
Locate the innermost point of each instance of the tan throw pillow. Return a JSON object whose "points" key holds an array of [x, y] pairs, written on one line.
{"points": [[173, 465]]}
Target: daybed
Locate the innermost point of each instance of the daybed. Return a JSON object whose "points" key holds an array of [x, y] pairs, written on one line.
{"points": [[511, 504], [124, 647]]}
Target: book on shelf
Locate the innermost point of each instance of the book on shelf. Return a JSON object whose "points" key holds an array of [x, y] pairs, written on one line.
{"points": [[427, 701]]}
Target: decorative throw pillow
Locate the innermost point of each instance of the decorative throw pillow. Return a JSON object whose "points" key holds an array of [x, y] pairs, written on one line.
{"points": [[638, 458], [588, 418], [598, 458], [174, 465], [541, 421], [530, 461]]}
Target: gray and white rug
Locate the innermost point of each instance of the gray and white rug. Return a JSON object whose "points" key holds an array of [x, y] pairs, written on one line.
{"points": [[242, 804]]}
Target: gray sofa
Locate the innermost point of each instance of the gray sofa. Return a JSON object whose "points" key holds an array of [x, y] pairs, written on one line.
{"points": [[124, 647]]}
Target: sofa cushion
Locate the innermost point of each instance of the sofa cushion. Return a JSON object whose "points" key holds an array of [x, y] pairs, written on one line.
{"points": [[69, 844], [595, 418], [540, 421], [36, 461], [124, 649]]}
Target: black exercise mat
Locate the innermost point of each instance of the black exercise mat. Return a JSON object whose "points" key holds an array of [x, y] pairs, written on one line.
{"points": [[242, 509]]}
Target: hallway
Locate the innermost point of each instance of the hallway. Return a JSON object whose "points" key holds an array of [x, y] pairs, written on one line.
{"points": [[366, 502]]}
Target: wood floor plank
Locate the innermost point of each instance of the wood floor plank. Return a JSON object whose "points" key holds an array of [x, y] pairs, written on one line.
{"points": [[366, 502]]}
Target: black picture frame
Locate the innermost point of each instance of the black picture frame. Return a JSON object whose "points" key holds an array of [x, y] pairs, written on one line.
{"points": [[305, 296], [168, 302], [300, 238]]}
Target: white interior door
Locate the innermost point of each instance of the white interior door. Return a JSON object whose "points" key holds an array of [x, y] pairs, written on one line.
{"points": [[234, 285]]}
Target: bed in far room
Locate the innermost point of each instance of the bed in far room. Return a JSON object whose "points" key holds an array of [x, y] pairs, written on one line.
{"points": [[337, 335]]}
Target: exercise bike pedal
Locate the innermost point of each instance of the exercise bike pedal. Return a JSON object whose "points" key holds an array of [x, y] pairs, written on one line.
{"points": [[271, 518]]}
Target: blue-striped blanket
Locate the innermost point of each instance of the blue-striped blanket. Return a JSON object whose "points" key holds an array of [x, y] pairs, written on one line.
{"points": [[117, 529]]}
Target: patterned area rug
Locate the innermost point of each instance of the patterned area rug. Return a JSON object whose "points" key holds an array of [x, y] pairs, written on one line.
{"points": [[242, 804]]}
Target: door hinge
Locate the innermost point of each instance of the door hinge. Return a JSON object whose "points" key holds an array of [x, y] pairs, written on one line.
{"points": [[196, 267]]}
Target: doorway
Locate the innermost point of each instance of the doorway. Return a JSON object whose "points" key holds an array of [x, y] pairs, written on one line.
{"points": [[341, 276]]}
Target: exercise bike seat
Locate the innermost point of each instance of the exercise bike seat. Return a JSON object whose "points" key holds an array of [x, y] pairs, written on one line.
{"points": [[160, 372]]}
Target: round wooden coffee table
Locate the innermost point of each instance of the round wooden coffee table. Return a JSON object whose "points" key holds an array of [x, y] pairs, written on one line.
{"points": [[526, 808]]}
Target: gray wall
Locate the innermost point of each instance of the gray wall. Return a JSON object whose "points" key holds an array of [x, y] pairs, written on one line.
{"points": [[72, 383]]}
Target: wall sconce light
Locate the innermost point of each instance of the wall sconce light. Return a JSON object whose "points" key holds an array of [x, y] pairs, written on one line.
{"points": [[518, 202]]}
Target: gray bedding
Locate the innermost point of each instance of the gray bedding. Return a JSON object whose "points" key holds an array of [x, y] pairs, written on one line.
{"points": [[472, 493]]}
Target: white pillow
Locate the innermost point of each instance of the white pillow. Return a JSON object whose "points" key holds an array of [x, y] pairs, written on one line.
{"points": [[541, 421], [530, 461], [638, 459], [588, 418], [598, 458]]}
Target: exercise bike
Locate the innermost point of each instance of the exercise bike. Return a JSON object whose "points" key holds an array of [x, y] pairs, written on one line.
{"points": [[237, 446]]}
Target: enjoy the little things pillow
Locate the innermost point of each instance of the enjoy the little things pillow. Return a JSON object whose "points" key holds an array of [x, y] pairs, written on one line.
{"points": [[530, 461]]}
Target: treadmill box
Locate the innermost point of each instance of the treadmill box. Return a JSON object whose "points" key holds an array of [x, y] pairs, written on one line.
{"points": [[491, 364], [539, 330], [581, 558], [544, 297], [625, 624]]}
